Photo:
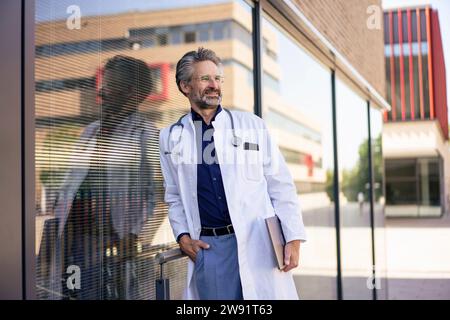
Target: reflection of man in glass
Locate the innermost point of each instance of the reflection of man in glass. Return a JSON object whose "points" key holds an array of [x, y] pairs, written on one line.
{"points": [[108, 192]]}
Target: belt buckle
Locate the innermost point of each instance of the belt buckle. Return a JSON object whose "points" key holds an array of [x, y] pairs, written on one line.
{"points": [[228, 228], [214, 232]]}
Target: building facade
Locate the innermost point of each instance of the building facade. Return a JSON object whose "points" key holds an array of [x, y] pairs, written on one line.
{"points": [[313, 70], [415, 133]]}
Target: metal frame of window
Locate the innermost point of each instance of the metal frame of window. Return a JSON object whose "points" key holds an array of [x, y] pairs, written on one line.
{"points": [[337, 205], [28, 146], [292, 20], [11, 189], [17, 247], [257, 57], [295, 23], [371, 200]]}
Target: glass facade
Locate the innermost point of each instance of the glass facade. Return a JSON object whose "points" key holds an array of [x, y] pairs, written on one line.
{"points": [[413, 185], [299, 115], [407, 82], [99, 190], [378, 207], [353, 159], [99, 187]]}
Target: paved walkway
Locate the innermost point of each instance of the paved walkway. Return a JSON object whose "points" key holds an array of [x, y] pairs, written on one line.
{"points": [[418, 258], [413, 256]]}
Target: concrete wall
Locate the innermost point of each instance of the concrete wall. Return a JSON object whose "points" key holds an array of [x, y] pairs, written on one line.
{"points": [[10, 155], [418, 139]]}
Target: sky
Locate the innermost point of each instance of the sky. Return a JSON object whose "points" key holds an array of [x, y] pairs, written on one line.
{"points": [[443, 8], [56, 9]]}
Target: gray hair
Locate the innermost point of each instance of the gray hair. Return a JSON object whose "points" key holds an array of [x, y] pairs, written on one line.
{"points": [[185, 66]]}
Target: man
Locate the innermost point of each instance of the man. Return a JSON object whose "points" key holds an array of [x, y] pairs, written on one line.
{"points": [[219, 196], [108, 192]]}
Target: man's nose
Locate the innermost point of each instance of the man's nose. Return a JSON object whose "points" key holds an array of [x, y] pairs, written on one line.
{"points": [[214, 84]]}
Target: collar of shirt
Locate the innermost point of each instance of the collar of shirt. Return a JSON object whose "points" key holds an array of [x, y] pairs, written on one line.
{"points": [[197, 117]]}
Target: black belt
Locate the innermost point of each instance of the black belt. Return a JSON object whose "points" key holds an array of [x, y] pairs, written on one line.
{"points": [[219, 231]]}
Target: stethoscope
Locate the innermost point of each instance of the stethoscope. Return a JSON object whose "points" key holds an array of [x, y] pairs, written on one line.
{"points": [[235, 140]]}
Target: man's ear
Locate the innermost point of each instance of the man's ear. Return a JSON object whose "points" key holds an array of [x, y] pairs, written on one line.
{"points": [[185, 87]]}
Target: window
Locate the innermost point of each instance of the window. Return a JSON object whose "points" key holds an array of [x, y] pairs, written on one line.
{"points": [[379, 198], [395, 26], [298, 129], [190, 37], [413, 187], [354, 210], [414, 25], [271, 82], [145, 43], [219, 30], [241, 33], [100, 210], [204, 31], [299, 115], [175, 35]]}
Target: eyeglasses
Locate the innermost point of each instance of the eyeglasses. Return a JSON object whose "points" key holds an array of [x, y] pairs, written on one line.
{"points": [[207, 79]]}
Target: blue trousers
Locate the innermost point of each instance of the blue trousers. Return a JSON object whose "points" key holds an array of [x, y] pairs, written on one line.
{"points": [[217, 269]]}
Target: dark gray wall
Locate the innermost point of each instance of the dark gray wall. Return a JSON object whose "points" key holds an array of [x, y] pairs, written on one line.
{"points": [[10, 150], [28, 124]]}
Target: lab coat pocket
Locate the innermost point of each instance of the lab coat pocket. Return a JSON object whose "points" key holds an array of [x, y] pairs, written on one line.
{"points": [[253, 170]]}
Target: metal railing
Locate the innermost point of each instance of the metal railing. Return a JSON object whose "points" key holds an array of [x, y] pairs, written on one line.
{"points": [[162, 284]]}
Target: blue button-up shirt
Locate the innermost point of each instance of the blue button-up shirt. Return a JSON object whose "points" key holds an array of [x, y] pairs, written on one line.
{"points": [[212, 202]]}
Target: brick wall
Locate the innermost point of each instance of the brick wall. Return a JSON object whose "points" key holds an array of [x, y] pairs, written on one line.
{"points": [[344, 24]]}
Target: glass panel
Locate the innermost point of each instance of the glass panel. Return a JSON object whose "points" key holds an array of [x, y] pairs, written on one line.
{"points": [[406, 82], [204, 32], [401, 168], [429, 186], [356, 243], [398, 100], [416, 87], [105, 86], [376, 123], [386, 27], [413, 187], [414, 25], [401, 187], [388, 82], [298, 112], [405, 26], [423, 25], [219, 30], [395, 28], [426, 86]]}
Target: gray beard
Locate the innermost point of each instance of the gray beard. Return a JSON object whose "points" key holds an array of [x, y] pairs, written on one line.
{"points": [[203, 104]]}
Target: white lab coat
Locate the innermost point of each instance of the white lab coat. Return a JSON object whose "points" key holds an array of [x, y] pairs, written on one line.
{"points": [[254, 191]]}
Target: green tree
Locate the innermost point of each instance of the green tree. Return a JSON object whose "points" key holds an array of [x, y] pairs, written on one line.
{"points": [[330, 184], [356, 179]]}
